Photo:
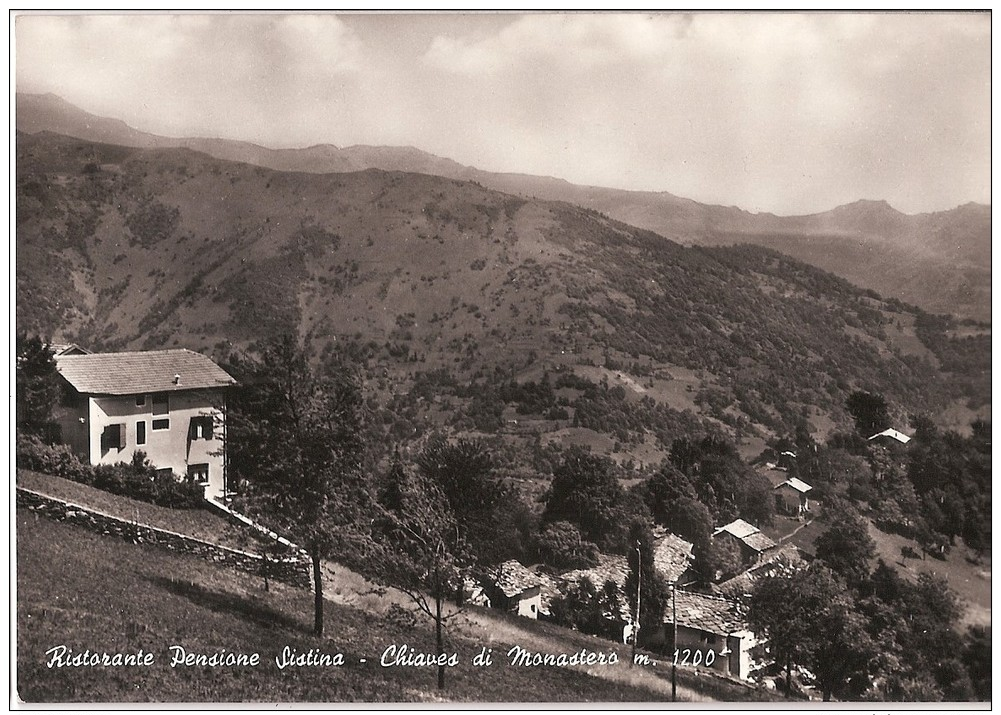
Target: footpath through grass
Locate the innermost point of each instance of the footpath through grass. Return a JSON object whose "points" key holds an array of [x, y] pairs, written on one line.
{"points": [[85, 591]]}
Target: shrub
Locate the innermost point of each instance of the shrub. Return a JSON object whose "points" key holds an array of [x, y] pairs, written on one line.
{"points": [[138, 480]]}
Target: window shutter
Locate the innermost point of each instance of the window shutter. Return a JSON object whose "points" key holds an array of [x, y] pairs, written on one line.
{"points": [[121, 436], [207, 427]]}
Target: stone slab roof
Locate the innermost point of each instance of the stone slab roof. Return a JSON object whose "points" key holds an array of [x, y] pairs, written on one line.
{"points": [[712, 614], [671, 556], [783, 560], [133, 373], [512, 579], [758, 542]]}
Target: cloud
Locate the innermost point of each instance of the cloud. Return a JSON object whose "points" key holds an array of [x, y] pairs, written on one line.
{"points": [[788, 112], [584, 41], [181, 73]]}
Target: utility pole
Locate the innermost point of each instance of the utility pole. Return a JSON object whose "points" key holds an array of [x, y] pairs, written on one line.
{"points": [[639, 587], [674, 624]]}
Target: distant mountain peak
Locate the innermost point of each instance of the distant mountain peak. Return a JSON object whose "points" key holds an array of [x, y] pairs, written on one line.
{"points": [[869, 205]]}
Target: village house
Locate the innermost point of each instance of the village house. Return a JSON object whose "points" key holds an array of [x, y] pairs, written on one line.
{"points": [[611, 568], [791, 497], [673, 557], [748, 539], [512, 587], [712, 626], [169, 404], [781, 561]]}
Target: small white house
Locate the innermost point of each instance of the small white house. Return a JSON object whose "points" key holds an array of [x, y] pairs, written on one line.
{"points": [[512, 587], [169, 404], [791, 496]]}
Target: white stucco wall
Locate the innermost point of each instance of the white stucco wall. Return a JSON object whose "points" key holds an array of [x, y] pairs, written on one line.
{"points": [[165, 448], [529, 607]]}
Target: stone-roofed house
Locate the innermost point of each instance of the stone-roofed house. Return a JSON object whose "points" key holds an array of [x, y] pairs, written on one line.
{"points": [[169, 404], [791, 497], [712, 632], [512, 587], [611, 568], [672, 555], [783, 560], [748, 538]]}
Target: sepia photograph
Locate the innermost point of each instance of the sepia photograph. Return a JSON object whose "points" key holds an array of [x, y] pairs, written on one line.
{"points": [[439, 359]]}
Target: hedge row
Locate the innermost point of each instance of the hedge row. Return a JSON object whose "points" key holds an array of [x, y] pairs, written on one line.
{"points": [[138, 479]]}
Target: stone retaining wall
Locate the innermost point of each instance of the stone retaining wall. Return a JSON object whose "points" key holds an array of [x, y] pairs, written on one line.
{"points": [[294, 571]]}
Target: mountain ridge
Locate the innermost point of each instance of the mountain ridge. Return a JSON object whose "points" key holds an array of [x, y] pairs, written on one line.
{"points": [[938, 260], [415, 274]]}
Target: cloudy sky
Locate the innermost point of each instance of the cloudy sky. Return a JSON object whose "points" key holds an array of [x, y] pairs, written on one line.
{"points": [[786, 113]]}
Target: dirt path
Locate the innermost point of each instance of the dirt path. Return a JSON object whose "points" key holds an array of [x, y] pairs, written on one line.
{"points": [[795, 531]]}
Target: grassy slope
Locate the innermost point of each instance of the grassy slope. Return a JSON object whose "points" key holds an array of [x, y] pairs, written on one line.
{"points": [[967, 576], [199, 523], [87, 591]]}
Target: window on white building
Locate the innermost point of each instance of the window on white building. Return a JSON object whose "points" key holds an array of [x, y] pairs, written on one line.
{"points": [[113, 437], [200, 427], [198, 472]]}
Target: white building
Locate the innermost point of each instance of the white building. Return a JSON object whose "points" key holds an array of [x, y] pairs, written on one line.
{"points": [[169, 404]]}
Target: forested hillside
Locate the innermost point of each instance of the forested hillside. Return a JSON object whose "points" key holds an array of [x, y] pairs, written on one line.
{"points": [[453, 298]]}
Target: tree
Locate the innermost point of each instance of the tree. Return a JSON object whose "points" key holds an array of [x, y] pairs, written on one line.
{"points": [[721, 480], [420, 548], [643, 574], [717, 559], [587, 608], [799, 614], [921, 653], [847, 548], [489, 514], [664, 489], [585, 492], [293, 437], [561, 546], [869, 411], [37, 383], [977, 658]]}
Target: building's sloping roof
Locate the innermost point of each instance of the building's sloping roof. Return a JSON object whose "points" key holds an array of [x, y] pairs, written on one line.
{"points": [[712, 614], [549, 588], [747, 533], [671, 556], [738, 528], [68, 349], [611, 567], [759, 542], [512, 579], [132, 373], [892, 434], [784, 559], [797, 484]]}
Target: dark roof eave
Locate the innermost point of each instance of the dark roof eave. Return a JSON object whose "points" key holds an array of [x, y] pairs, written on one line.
{"points": [[180, 388]]}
